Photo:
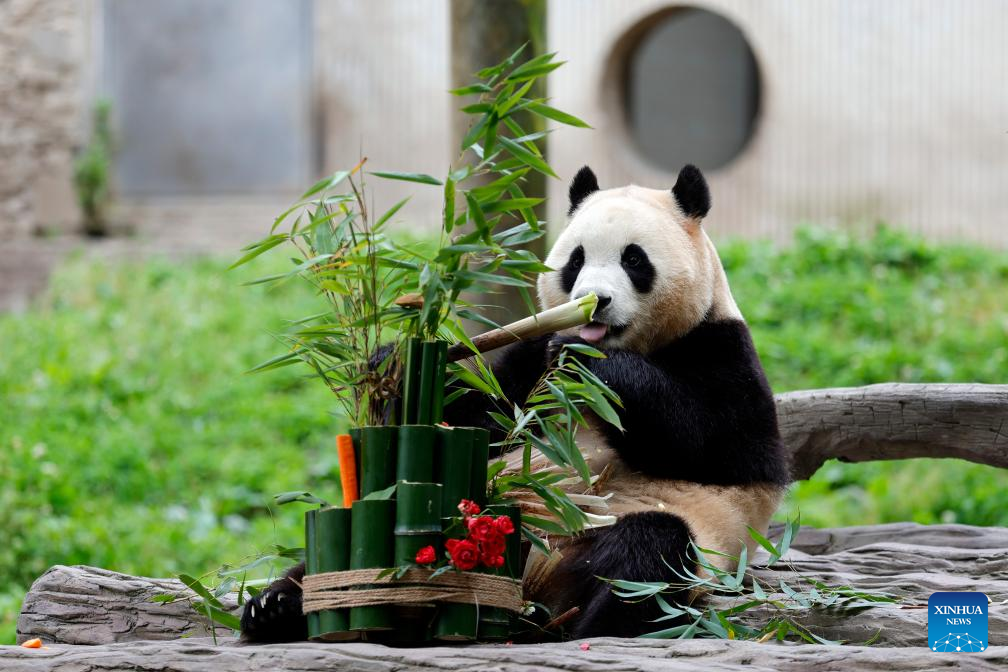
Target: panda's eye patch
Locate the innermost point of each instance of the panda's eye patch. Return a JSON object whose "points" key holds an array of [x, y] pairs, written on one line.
{"points": [[638, 267], [569, 273], [577, 258]]}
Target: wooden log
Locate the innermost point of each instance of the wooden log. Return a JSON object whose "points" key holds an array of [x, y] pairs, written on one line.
{"points": [[88, 605], [894, 421], [84, 605], [646, 655]]}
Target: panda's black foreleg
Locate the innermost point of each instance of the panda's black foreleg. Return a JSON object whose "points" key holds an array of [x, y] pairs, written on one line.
{"points": [[636, 548], [518, 368], [275, 615]]}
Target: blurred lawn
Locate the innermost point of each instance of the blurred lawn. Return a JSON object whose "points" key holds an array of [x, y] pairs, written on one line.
{"points": [[130, 437]]}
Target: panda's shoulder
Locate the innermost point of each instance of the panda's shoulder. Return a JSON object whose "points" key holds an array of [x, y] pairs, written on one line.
{"points": [[718, 360], [713, 346]]}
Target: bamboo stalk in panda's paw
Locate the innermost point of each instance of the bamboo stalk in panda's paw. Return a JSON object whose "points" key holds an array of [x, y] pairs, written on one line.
{"points": [[567, 315]]}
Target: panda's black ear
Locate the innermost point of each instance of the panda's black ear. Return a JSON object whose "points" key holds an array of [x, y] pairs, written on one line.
{"points": [[584, 184], [691, 192]]}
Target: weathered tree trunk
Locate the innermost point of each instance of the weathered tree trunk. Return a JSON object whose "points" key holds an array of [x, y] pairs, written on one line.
{"points": [[84, 605], [894, 421], [644, 655], [88, 605], [484, 34]]}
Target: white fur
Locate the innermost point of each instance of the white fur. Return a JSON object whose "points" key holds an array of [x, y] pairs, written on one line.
{"points": [[689, 284]]}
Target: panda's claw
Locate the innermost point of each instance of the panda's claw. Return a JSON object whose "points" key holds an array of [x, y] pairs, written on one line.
{"points": [[274, 615]]}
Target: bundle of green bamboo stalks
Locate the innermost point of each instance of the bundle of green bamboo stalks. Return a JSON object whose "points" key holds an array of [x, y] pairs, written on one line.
{"points": [[402, 488]]}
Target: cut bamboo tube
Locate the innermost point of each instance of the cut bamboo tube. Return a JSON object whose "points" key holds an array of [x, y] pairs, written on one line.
{"points": [[355, 434], [417, 520], [411, 380], [567, 315], [437, 391], [495, 624], [427, 379], [418, 524], [480, 456], [371, 545], [453, 467], [311, 565], [332, 538], [377, 456], [415, 456]]}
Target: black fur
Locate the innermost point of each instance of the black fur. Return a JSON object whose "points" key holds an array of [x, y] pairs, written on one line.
{"points": [[277, 611], [692, 193], [699, 409], [638, 267], [570, 271], [636, 548], [583, 185], [517, 369]]}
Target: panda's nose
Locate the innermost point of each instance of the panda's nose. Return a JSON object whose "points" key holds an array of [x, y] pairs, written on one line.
{"points": [[603, 301]]}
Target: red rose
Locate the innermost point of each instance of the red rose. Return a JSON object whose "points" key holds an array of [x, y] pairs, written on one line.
{"points": [[464, 555], [426, 555], [482, 528], [468, 507], [491, 560], [450, 544], [492, 547], [504, 525]]}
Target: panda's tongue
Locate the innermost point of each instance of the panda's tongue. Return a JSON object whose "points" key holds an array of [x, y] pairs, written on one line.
{"points": [[593, 332]]}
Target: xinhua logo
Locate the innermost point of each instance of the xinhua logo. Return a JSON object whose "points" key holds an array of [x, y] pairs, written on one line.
{"points": [[957, 622]]}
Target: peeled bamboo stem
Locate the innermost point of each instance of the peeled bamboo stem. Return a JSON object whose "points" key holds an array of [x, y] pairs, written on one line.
{"points": [[571, 314]]}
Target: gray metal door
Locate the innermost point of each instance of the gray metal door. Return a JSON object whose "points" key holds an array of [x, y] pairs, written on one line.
{"points": [[209, 96]]}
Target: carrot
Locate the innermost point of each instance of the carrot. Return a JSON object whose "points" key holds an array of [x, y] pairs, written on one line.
{"points": [[347, 468], [32, 644]]}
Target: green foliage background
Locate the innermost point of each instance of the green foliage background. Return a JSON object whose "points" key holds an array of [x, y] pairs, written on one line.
{"points": [[130, 437]]}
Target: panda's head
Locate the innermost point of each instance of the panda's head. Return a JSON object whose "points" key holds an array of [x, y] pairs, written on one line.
{"points": [[645, 255]]}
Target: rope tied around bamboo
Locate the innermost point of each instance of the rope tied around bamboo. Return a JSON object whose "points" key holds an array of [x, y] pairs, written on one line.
{"points": [[362, 587]]}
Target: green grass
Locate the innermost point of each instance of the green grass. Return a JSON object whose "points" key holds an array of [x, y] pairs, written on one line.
{"points": [[868, 307], [130, 437]]}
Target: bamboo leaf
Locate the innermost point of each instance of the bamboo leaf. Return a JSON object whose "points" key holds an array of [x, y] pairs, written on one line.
{"points": [[419, 178], [557, 115], [298, 496], [197, 587], [261, 247], [326, 183], [389, 214], [386, 493], [507, 205], [526, 157], [471, 89]]}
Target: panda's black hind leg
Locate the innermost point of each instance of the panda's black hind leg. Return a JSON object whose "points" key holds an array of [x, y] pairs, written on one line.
{"points": [[633, 550], [275, 615]]}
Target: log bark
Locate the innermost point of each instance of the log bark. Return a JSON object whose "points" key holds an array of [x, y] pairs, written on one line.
{"points": [[88, 605], [84, 605], [894, 421], [645, 655]]}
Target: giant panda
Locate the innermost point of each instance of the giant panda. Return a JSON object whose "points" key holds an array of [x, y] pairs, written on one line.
{"points": [[699, 457]]}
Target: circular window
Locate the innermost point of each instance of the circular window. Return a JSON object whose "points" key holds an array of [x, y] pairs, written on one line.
{"points": [[691, 89]]}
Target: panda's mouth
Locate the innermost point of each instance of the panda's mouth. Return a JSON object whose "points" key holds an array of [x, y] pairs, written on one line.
{"points": [[595, 332]]}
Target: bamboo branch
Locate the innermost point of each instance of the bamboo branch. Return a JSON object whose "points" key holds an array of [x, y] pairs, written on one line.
{"points": [[570, 314]]}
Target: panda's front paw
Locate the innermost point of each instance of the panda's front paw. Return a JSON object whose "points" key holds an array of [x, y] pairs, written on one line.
{"points": [[556, 346], [274, 616]]}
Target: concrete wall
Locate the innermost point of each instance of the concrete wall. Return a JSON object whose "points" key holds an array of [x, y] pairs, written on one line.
{"points": [[380, 78], [383, 81], [43, 83], [894, 111], [869, 111]]}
